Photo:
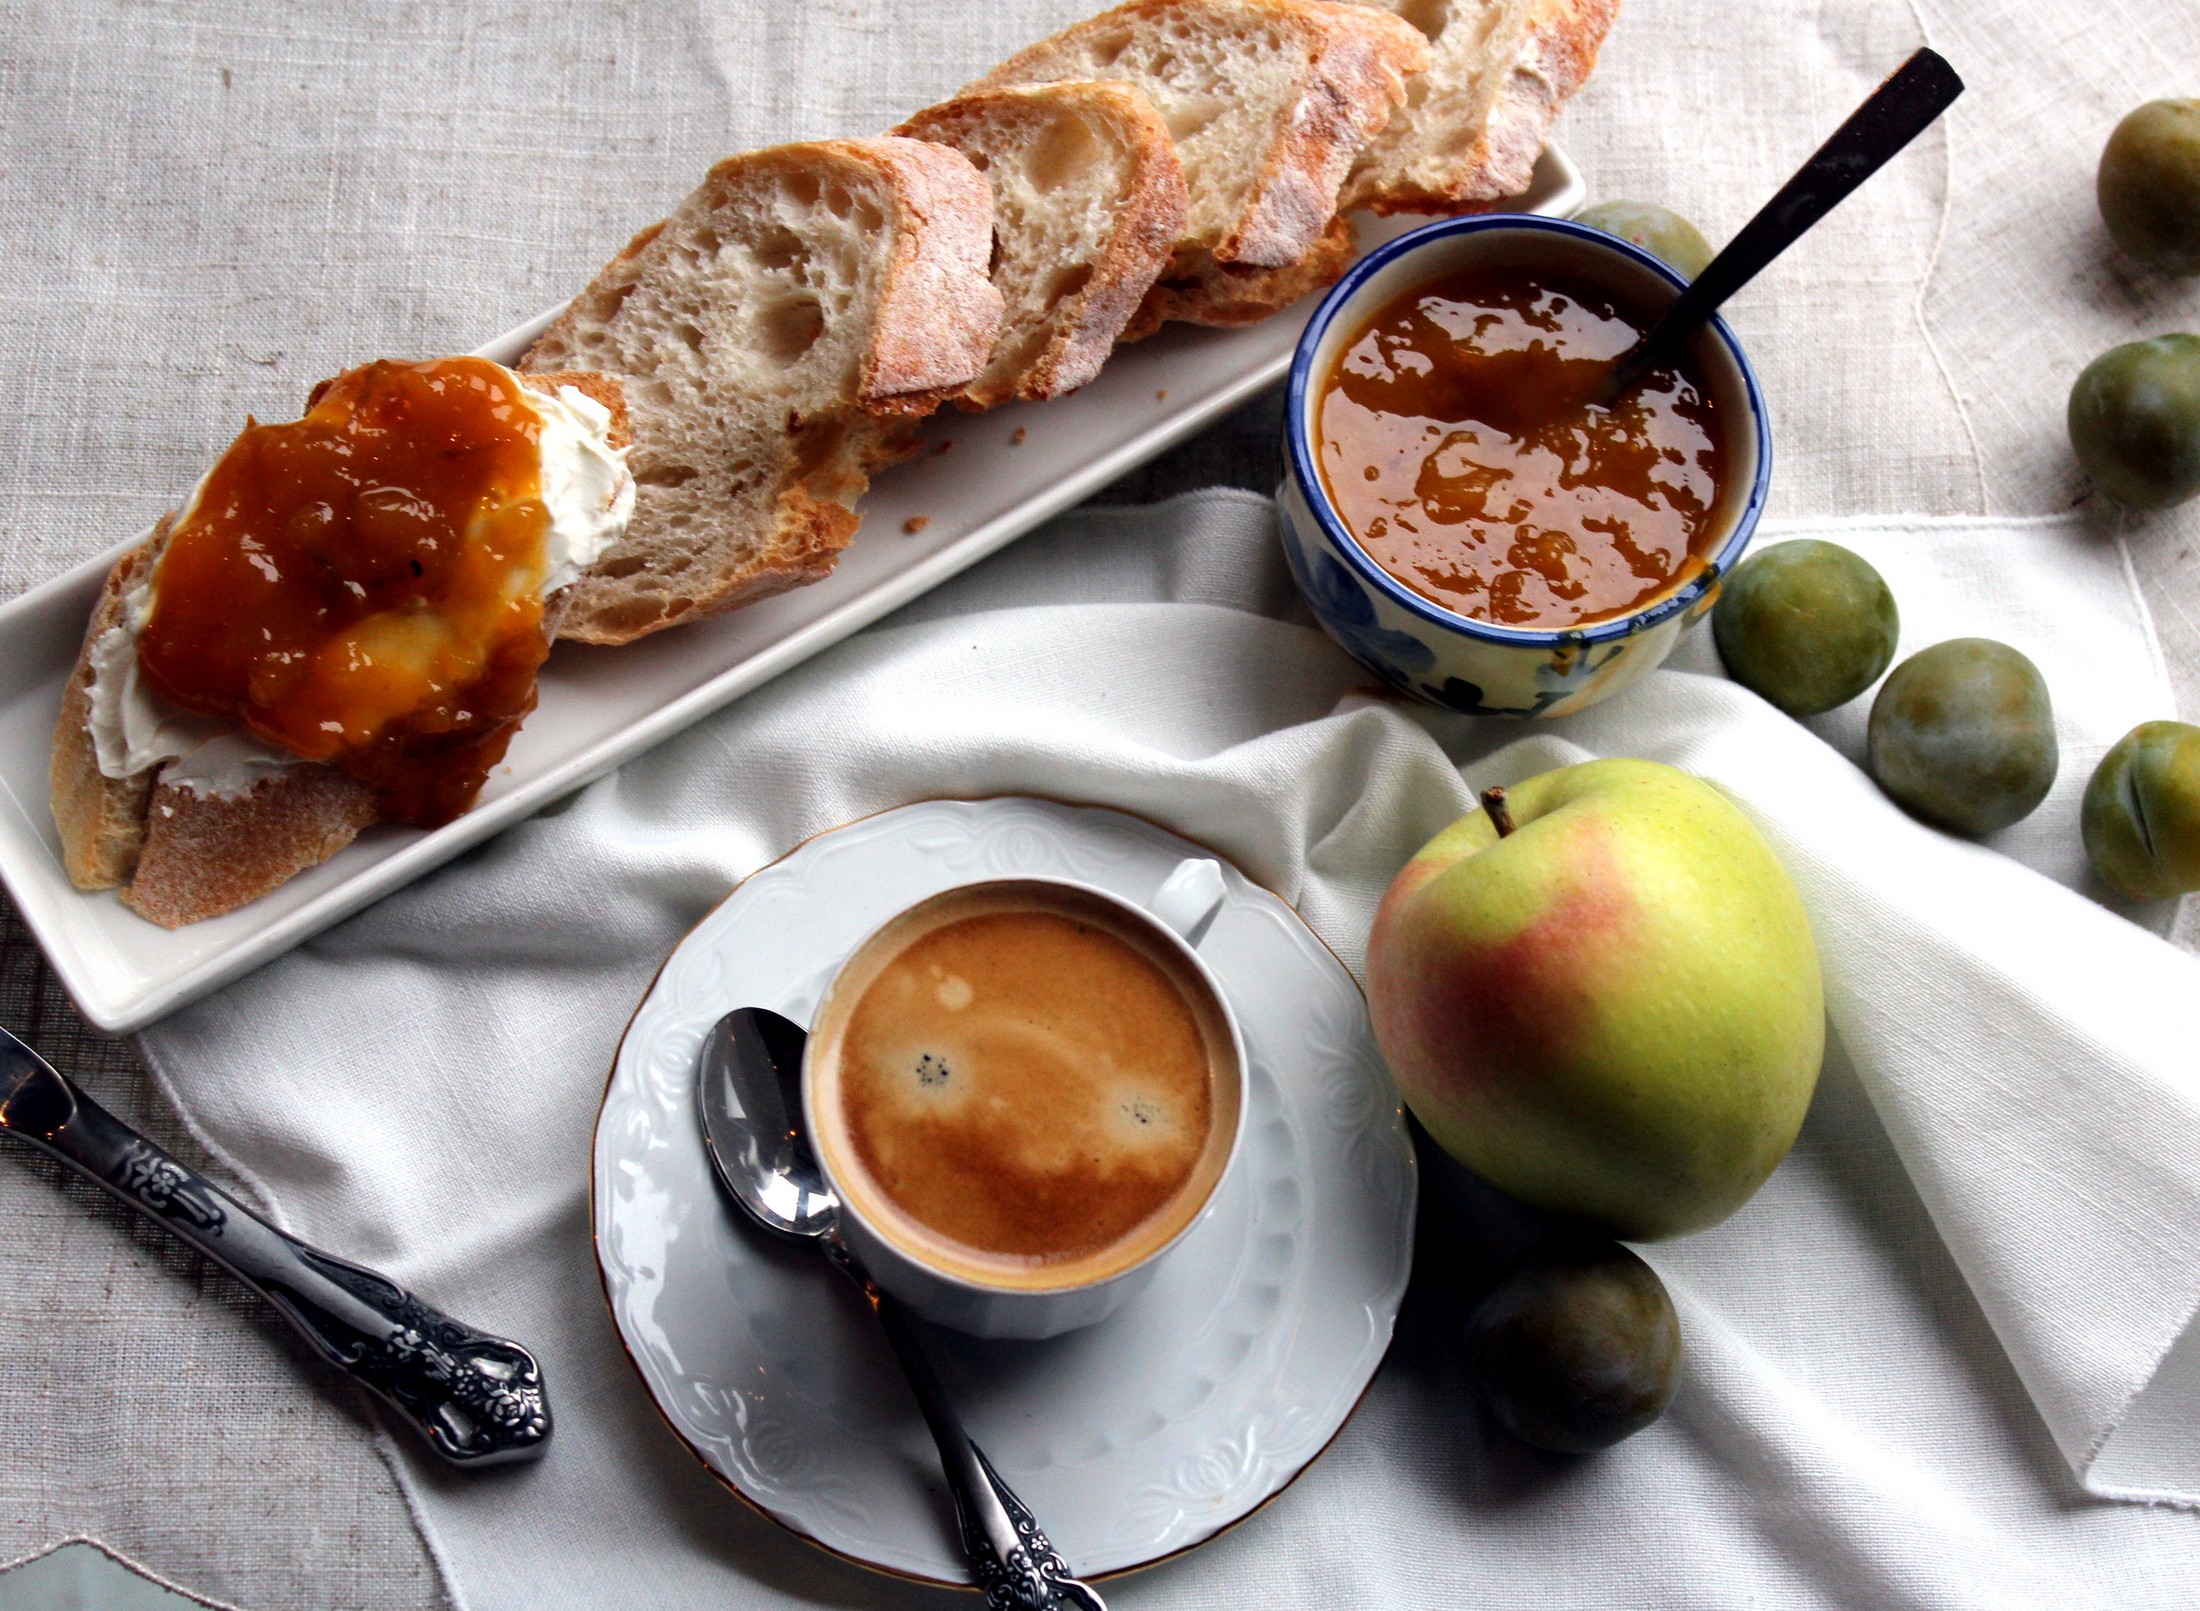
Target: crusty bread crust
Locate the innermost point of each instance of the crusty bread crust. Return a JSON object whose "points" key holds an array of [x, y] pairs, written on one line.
{"points": [[101, 819], [938, 311], [208, 854], [1351, 62], [1358, 83], [1140, 195], [1227, 295], [748, 462], [1459, 152], [180, 856]]}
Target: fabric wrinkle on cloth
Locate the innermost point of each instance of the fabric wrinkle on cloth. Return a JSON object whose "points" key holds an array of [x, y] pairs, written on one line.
{"points": [[1999, 1186]]}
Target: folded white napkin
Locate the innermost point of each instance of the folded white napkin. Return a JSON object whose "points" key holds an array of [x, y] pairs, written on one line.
{"points": [[1957, 1293]]}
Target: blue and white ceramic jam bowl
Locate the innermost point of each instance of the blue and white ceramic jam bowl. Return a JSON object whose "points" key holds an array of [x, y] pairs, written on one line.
{"points": [[1457, 661]]}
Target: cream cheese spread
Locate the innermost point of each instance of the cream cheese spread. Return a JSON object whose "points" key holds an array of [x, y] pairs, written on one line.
{"points": [[589, 493], [586, 485]]}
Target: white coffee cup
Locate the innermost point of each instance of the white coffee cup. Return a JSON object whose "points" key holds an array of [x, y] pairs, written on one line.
{"points": [[1170, 923]]}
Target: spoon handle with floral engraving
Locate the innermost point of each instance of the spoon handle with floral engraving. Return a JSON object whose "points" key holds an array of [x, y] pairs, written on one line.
{"points": [[1012, 1562], [477, 1399]]}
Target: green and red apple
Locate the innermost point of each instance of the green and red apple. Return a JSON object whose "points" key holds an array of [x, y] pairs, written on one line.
{"points": [[1612, 1009]]}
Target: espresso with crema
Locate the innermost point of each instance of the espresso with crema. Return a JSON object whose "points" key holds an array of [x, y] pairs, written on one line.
{"points": [[1021, 1088]]}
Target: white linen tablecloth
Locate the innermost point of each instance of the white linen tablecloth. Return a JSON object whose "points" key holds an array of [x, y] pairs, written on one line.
{"points": [[1987, 1241], [206, 205]]}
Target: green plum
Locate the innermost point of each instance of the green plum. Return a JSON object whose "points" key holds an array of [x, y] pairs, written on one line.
{"points": [[1657, 230], [2149, 185], [1806, 624], [1578, 1347], [2142, 812], [2135, 421], [1962, 736]]}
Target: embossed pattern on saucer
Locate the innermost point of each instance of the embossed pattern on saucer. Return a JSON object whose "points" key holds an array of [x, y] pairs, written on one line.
{"points": [[1134, 1439]]}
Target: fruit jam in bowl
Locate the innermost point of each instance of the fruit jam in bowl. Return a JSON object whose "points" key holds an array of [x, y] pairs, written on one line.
{"points": [[1462, 513]]}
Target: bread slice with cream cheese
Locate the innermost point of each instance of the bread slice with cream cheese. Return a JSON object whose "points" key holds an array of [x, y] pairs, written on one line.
{"points": [[189, 836], [770, 334], [1088, 204], [1270, 102]]}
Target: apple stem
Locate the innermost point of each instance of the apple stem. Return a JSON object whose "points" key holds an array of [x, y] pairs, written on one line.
{"points": [[1493, 801]]}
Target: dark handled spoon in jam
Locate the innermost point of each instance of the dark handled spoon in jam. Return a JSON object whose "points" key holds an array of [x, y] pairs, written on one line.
{"points": [[748, 1095], [1901, 109], [477, 1399]]}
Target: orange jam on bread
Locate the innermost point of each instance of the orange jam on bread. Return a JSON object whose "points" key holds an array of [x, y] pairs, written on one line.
{"points": [[363, 586], [1456, 444]]}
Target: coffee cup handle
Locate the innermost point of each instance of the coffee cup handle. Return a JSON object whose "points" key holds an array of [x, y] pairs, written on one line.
{"points": [[1189, 898]]}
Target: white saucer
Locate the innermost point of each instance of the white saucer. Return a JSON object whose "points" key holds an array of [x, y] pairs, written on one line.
{"points": [[1139, 1437]]}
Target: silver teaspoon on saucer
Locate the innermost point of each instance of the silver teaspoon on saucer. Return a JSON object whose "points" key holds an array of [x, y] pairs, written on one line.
{"points": [[477, 1399], [748, 1095]]}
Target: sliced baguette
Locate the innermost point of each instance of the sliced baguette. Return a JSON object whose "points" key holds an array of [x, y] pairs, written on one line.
{"points": [[1475, 121], [1269, 102], [179, 855], [767, 334], [1088, 204], [1198, 290]]}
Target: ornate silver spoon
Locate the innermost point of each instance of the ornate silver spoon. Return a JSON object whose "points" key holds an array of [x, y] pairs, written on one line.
{"points": [[477, 1399], [748, 1094]]}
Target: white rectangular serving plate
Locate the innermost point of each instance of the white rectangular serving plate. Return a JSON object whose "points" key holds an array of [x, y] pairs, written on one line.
{"points": [[980, 481]]}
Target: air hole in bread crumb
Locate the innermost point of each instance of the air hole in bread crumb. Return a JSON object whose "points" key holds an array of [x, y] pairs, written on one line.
{"points": [[786, 330], [701, 247], [1068, 281], [916, 523], [1188, 118], [838, 202], [1430, 16], [665, 475], [803, 189], [619, 294], [1065, 153], [777, 248]]}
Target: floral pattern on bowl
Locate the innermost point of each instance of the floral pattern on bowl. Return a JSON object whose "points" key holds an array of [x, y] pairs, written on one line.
{"points": [[1414, 644]]}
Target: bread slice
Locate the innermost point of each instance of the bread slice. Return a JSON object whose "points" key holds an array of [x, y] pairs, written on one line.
{"points": [[767, 334], [101, 819], [205, 854], [181, 855], [1475, 121], [1269, 102], [1202, 291], [1088, 203]]}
